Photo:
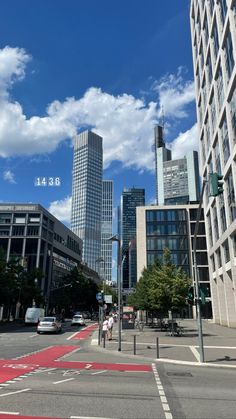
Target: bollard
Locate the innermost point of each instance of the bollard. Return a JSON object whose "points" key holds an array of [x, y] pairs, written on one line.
{"points": [[104, 340], [134, 344], [157, 343]]}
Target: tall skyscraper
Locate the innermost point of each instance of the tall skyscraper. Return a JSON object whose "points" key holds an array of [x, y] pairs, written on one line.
{"points": [[130, 200], [177, 181], [87, 195], [213, 29], [107, 216]]}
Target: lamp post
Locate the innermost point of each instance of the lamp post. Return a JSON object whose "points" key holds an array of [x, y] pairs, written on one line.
{"points": [[101, 309], [119, 284]]}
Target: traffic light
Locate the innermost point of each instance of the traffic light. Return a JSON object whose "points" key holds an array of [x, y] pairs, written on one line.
{"points": [[190, 296], [204, 293], [216, 184]]}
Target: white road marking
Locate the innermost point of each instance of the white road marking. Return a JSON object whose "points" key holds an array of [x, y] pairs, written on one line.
{"points": [[70, 337], [63, 381], [88, 417], [98, 372], [14, 392], [9, 413], [4, 385], [195, 353], [88, 366], [161, 392], [33, 336], [45, 370], [70, 353]]}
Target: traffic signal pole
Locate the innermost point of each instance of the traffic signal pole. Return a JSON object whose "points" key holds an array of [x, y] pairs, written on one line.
{"points": [[196, 276]]}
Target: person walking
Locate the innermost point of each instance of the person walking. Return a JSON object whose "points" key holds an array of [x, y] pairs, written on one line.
{"points": [[110, 326], [105, 328]]}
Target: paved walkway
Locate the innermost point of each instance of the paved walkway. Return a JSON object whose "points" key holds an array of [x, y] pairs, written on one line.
{"points": [[219, 344]]}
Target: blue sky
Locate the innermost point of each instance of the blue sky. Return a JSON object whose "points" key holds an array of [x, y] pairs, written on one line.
{"points": [[110, 66]]}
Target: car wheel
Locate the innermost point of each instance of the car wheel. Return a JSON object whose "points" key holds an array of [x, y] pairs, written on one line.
{"points": [[38, 332]]}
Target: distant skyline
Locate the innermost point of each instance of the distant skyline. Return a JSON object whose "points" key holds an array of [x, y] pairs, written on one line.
{"points": [[113, 68]]}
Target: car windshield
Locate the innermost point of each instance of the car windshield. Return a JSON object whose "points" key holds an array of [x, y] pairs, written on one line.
{"points": [[48, 319], [78, 317]]}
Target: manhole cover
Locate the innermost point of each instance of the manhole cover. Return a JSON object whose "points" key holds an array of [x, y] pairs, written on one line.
{"points": [[179, 374]]}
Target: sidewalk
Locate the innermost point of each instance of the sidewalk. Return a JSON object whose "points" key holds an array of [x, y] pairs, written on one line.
{"points": [[219, 344]]}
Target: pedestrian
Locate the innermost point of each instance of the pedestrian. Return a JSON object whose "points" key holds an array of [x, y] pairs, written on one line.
{"points": [[105, 328], [110, 326]]}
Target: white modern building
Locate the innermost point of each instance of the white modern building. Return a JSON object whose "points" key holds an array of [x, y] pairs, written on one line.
{"points": [[87, 194], [107, 218], [213, 29], [177, 181]]}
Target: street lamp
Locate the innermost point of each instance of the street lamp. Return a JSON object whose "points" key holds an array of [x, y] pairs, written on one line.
{"points": [[119, 281], [101, 309]]}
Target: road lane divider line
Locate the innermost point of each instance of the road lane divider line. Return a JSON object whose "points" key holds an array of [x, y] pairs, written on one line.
{"points": [[195, 353], [163, 399], [9, 413], [88, 417], [15, 392], [98, 372], [63, 381]]}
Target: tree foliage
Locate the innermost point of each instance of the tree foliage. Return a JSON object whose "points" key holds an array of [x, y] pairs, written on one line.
{"points": [[162, 287]]}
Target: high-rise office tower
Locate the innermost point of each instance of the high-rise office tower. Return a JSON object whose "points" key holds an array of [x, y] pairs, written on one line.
{"points": [[107, 216], [87, 195], [177, 181], [130, 200], [213, 29]]}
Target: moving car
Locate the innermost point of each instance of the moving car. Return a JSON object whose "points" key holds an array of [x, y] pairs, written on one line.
{"points": [[78, 319], [49, 324]]}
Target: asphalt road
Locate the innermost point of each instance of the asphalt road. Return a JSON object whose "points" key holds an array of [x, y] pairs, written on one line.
{"points": [[59, 377]]}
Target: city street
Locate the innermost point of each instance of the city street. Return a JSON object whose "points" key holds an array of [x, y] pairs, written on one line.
{"points": [[63, 376]]}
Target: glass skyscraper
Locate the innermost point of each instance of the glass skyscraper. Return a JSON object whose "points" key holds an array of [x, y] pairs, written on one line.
{"points": [[87, 195], [107, 216], [130, 200], [213, 29]]}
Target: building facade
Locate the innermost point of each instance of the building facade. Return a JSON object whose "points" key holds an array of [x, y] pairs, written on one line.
{"points": [[177, 181], [39, 240], [213, 30], [87, 194], [130, 200], [107, 218], [172, 227]]}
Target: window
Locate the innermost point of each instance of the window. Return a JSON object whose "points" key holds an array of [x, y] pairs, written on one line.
{"points": [[223, 217], [226, 251], [213, 113], [217, 157], [18, 231], [231, 196], [223, 10], [5, 218], [213, 265], [209, 229], [215, 40], [215, 223], [229, 57], [219, 260], [233, 113], [220, 87], [206, 33], [19, 218], [32, 231], [225, 140], [4, 231]]}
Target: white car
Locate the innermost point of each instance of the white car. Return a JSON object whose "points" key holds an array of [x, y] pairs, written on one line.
{"points": [[49, 324], [78, 319]]}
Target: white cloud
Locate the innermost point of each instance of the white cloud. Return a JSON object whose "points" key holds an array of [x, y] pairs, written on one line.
{"points": [[185, 142], [175, 94], [125, 122], [9, 176], [61, 209]]}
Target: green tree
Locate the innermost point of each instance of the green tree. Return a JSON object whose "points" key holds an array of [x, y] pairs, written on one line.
{"points": [[162, 287]]}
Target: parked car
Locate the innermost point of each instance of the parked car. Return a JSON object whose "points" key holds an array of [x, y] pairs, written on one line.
{"points": [[49, 324], [78, 320]]}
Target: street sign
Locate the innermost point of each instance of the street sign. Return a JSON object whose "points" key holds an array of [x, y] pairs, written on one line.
{"points": [[108, 299], [99, 296]]}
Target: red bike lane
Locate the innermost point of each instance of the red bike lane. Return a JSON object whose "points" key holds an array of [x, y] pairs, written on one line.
{"points": [[50, 358]]}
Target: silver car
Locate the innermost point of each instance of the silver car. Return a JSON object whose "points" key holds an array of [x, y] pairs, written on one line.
{"points": [[78, 319], [49, 324]]}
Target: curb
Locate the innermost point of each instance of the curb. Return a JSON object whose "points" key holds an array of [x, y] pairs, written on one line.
{"points": [[94, 341]]}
